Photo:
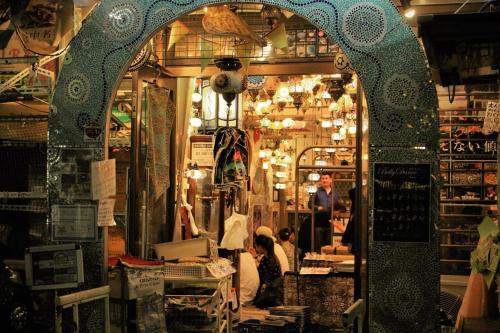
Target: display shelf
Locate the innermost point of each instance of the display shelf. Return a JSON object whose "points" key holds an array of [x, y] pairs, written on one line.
{"points": [[468, 168], [216, 305]]}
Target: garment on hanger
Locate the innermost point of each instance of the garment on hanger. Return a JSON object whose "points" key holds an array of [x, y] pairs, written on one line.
{"points": [[230, 155], [235, 232]]}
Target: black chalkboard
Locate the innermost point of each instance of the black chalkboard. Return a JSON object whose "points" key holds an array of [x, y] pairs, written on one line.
{"points": [[402, 202]]}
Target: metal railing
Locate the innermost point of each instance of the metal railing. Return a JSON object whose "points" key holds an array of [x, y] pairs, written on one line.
{"points": [[80, 297]]}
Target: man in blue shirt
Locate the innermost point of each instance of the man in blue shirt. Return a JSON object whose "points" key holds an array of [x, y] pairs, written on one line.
{"points": [[323, 201], [326, 207]]}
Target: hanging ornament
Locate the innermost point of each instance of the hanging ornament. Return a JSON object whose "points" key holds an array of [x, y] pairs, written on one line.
{"points": [[228, 81]]}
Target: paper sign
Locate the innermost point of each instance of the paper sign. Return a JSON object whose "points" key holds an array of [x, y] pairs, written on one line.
{"points": [[492, 118], [105, 213], [103, 179], [74, 222], [143, 282]]}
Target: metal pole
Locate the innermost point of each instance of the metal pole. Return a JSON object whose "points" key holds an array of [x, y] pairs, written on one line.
{"points": [[358, 192], [312, 221]]}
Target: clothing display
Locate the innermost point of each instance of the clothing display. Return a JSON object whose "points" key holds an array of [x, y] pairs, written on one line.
{"points": [[230, 155], [235, 232]]}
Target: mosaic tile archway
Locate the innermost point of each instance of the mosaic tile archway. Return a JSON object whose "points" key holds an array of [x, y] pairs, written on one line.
{"points": [[401, 99]]}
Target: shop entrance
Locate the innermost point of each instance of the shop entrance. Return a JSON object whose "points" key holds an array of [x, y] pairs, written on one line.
{"points": [[403, 277]]}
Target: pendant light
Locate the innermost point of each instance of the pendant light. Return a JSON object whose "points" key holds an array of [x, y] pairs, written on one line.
{"points": [[228, 82]]}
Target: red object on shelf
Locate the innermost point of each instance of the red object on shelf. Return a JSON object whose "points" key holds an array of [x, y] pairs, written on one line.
{"points": [[132, 261]]}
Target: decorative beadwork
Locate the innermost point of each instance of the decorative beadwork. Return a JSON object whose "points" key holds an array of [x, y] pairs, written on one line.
{"points": [[400, 92], [364, 24], [124, 19]]}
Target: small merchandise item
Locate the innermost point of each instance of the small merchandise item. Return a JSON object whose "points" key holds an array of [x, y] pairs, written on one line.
{"points": [[235, 232]]}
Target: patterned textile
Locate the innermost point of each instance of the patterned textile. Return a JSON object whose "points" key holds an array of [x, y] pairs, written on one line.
{"points": [[160, 117], [327, 295]]}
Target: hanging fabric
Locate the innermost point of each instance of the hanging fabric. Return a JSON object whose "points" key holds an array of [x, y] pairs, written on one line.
{"points": [[160, 118]]}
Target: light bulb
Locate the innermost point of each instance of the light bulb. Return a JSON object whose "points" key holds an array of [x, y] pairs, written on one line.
{"points": [[262, 153], [265, 165], [283, 92], [288, 122], [195, 122], [342, 132], [326, 123], [331, 150], [409, 13], [336, 137], [314, 177], [273, 160], [352, 130], [338, 122], [265, 122], [280, 186], [196, 98]]}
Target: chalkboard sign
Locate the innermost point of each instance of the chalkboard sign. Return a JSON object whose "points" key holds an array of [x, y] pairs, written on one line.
{"points": [[54, 266], [402, 202]]}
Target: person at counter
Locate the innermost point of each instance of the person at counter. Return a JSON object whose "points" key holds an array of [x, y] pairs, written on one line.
{"points": [[327, 206], [270, 291], [326, 197]]}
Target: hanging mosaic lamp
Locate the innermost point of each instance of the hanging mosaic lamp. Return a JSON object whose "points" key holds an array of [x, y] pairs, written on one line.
{"points": [[228, 82]]}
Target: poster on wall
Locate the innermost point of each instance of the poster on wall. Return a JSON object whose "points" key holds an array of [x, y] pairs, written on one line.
{"points": [[103, 179], [74, 223], [105, 216], [402, 201], [202, 150]]}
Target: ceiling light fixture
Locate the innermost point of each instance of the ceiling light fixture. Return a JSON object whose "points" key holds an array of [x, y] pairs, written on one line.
{"points": [[408, 10]]}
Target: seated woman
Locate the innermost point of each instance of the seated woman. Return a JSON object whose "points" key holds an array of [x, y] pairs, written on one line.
{"points": [[270, 291]]}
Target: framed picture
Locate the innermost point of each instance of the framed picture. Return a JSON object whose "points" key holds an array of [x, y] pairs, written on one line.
{"points": [[201, 150], [74, 223], [54, 266]]}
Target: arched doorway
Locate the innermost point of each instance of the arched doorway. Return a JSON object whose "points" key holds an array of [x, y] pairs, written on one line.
{"points": [[403, 276]]}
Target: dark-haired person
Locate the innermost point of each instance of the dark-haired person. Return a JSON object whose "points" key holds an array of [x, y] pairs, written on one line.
{"points": [[326, 206], [270, 291], [284, 236]]}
